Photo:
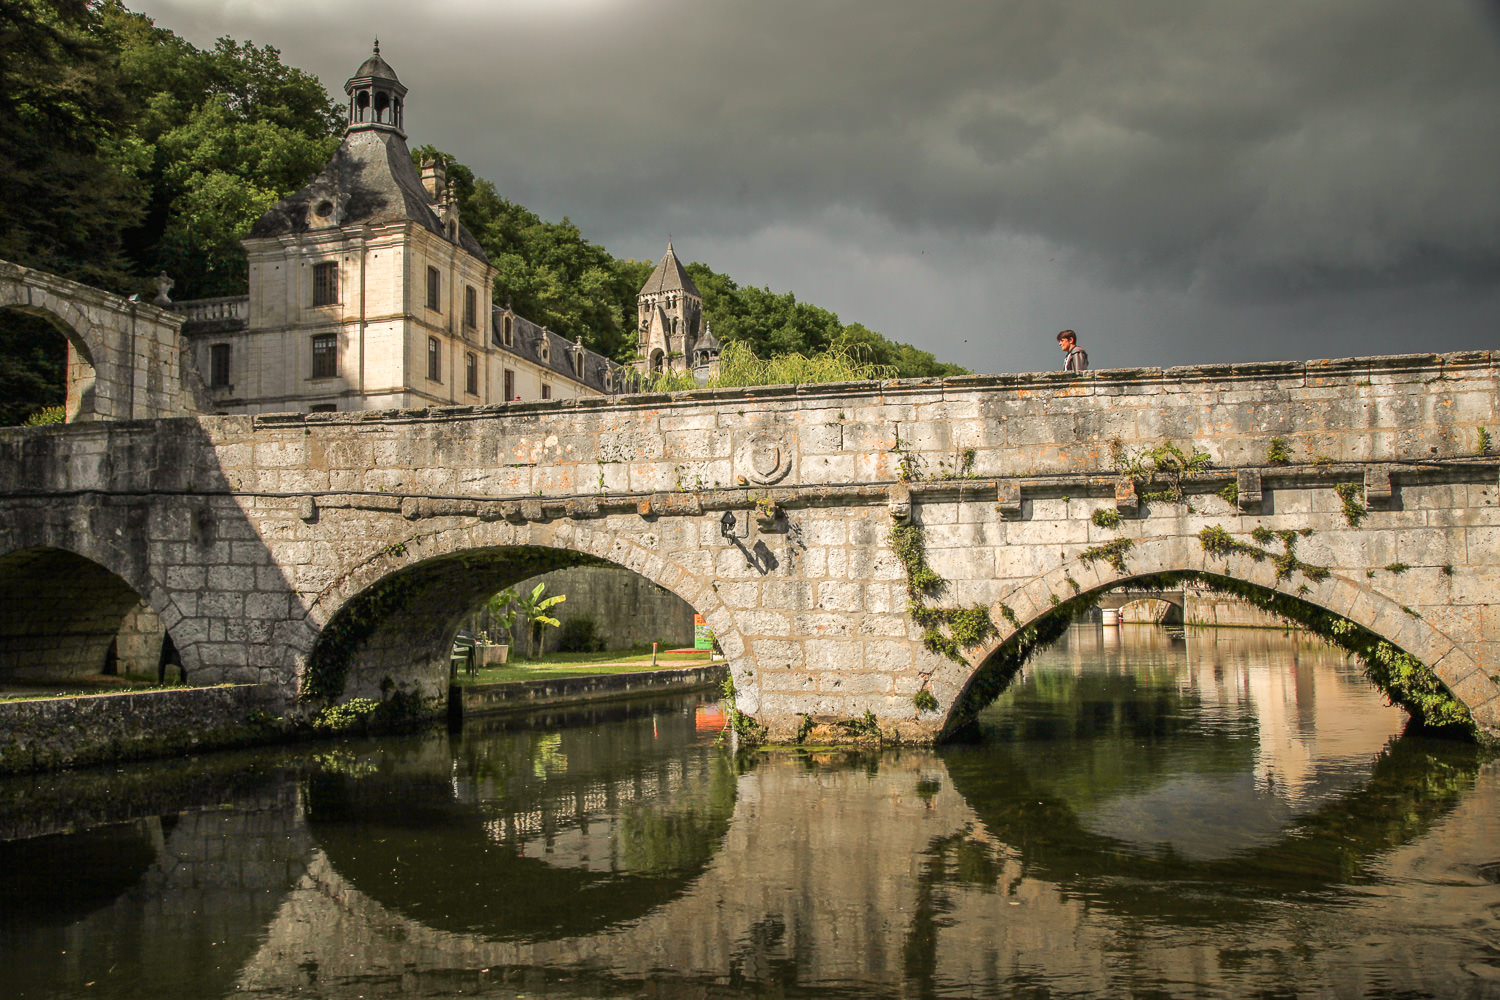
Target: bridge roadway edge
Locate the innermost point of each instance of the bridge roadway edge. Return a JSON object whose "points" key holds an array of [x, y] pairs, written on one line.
{"points": [[248, 534]]}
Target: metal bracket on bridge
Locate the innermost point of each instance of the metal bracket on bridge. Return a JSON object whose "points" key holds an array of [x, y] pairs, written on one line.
{"points": [[1247, 483], [1378, 490]]}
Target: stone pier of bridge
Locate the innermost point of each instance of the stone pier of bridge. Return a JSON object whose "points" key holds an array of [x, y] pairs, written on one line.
{"points": [[332, 556]]}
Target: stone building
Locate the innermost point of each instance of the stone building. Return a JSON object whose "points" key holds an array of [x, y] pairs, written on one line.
{"points": [[673, 334], [367, 292]]}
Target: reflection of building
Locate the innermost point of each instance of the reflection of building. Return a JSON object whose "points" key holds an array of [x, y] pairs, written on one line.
{"points": [[367, 292]]}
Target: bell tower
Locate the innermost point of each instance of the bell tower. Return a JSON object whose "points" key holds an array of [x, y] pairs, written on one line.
{"points": [[376, 98], [670, 311]]}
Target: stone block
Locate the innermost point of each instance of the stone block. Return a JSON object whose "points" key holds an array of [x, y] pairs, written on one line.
{"points": [[838, 596]]}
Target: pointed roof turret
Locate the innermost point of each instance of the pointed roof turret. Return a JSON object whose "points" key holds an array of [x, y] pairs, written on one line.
{"points": [[670, 276]]}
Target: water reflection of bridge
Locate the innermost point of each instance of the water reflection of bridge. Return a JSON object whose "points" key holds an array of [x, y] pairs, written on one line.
{"points": [[888, 874]]}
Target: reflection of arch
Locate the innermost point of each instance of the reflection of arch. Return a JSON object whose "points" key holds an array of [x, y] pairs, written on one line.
{"points": [[1150, 610], [969, 685], [450, 841], [62, 612], [104, 862], [1413, 783], [394, 615]]}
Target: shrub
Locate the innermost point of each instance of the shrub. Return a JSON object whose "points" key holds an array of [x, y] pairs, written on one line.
{"points": [[580, 635]]}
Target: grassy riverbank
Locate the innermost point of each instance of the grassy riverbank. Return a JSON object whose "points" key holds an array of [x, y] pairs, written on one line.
{"points": [[17, 689]]}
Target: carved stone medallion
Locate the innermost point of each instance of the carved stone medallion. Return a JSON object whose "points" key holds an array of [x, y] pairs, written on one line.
{"points": [[765, 459]]}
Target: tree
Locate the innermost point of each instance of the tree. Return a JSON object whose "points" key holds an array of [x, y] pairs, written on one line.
{"points": [[533, 608], [219, 136], [501, 608], [63, 117]]}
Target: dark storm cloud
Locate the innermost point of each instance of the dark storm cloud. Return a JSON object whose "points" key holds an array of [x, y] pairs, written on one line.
{"points": [[1232, 152]]}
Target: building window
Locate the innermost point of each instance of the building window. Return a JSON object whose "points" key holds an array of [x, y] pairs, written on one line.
{"points": [[325, 284], [509, 382], [471, 307], [505, 334], [546, 348], [434, 289], [434, 360], [218, 366], [471, 374], [325, 348], [546, 391], [323, 408]]}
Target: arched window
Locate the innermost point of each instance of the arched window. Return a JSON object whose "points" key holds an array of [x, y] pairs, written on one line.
{"points": [[361, 105], [656, 361], [382, 105]]}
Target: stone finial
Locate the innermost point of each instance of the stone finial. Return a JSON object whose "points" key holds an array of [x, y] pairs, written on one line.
{"points": [[899, 500], [164, 285]]}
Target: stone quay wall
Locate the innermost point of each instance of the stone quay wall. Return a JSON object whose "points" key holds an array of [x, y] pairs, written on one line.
{"points": [[469, 700], [770, 510], [53, 733]]}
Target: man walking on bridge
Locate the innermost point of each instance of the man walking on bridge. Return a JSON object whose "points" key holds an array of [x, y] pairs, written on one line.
{"points": [[1077, 358]]}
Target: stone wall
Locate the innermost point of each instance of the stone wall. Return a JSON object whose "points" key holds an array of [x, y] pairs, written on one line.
{"points": [[628, 610], [1225, 611], [525, 696], [52, 733]]}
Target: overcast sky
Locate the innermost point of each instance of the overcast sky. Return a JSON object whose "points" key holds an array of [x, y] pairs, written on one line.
{"points": [[1179, 180]]}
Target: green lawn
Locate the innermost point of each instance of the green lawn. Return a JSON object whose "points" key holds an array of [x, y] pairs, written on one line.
{"points": [[555, 665]]}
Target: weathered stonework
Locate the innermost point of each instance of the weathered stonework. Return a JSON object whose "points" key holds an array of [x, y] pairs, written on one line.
{"points": [[124, 356], [342, 550]]}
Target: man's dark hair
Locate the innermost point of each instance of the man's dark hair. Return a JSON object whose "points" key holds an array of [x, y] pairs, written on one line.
{"points": [[1067, 335]]}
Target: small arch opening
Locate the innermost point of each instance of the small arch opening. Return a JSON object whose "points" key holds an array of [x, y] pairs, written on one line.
{"points": [[50, 375], [68, 619]]}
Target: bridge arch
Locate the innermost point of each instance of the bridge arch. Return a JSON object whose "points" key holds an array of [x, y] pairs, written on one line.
{"points": [[1034, 612], [70, 615], [386, 625]]}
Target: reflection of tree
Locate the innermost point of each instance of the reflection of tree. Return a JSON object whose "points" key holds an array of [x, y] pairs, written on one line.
{"points": [[1412, 784], [447, 838], [1107, 731]]}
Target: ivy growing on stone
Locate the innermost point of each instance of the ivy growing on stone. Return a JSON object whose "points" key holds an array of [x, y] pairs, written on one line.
{"points": [[1216, 541], [1110, 552], [328, 666], [1350, 494], [966, 627], [1106, 517], [1277, 452]]}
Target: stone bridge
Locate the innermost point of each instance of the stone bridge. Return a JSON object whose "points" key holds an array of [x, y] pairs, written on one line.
{"points": [[334, 555], [124, 356]]}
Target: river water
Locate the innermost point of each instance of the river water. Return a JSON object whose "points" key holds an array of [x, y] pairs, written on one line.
{"points": [[1147, 814]]}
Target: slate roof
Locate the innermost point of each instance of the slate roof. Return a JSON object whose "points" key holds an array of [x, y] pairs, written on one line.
{"points": [[670, 276], [526, 342], [376, 183]]}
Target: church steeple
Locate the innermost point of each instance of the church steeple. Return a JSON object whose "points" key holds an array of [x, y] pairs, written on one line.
{"points": [[376, 98], [670, 310]]}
